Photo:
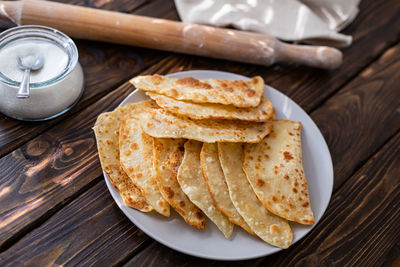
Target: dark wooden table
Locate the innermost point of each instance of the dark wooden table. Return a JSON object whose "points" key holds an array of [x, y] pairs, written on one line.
{"points": [[55, 208]]}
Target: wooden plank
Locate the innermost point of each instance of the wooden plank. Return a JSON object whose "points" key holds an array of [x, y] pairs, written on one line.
{"points": [[363, 115], [96, 232], [105, 67], [53, 167], [163, 256], [349, 123]]}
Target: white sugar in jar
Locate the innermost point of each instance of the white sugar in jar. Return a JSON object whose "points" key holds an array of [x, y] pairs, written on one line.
{"points": [[55, 88]]}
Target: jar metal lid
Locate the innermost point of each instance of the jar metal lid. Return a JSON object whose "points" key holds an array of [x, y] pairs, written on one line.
{"points": [[36, 32]]}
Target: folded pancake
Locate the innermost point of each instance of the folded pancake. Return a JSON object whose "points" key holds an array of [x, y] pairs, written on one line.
{"points": [[275, 170], [216, 185], [238, 93], [269, 227], [263, 112], [162, 124], [136, 157], [191, 180], [106, 130], [168, 155]]}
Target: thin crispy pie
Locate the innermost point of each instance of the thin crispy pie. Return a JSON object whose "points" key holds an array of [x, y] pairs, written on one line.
{"points": [[168, 155], [275, 170], [106, 130], [162, 124], [263, 112], [191, 180], [269, 227], [136, 157], [239, 93], [216, 184]]}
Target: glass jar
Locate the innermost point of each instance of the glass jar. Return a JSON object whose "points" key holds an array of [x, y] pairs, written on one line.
{"points": [[55, 88]]}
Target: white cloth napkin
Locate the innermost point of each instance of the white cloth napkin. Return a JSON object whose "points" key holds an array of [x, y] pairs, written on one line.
{"points": [[309, 21]]}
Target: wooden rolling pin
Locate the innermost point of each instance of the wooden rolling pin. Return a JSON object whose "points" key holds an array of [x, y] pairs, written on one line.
{"points": [[115, 27]]}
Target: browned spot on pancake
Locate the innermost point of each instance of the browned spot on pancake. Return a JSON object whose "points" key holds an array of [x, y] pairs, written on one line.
{"points": [[127, 153], [275, 229], [281, 165], [192, 82], [305, 204], [266, 156], [287, 156], [169, 192], [294, 190], [156, 79], [139, 175], [228, 89], [260, 182], [133, 146], [199, 215], [286, 177], [174, 93], [182, 203], [274, 198], [249, 92], [275, 169], [109, 142], [130, 169], [283, 197]]}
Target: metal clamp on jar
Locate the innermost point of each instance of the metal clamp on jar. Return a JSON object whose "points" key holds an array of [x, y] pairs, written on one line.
{"points": [[40, 76]]}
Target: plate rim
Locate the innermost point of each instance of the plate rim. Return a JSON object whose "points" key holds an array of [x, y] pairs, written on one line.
{"points": [[125, 208]]}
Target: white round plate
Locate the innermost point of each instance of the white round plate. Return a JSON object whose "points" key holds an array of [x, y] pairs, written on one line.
{"points": [[210, 243]]}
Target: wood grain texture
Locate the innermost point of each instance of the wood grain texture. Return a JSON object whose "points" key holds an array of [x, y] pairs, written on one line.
{"points": [[105, 67], [51, 168], [90, 230], [363, 115], [163, 256]]}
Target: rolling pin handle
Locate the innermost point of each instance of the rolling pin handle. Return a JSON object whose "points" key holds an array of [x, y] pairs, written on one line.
{"points": [[314, 56]]}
